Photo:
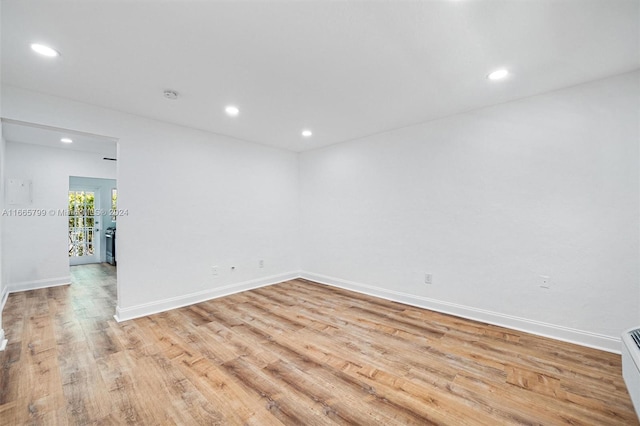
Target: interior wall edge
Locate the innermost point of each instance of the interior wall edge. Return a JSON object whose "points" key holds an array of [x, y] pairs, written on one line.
{"points": [[142, 310], [565, 334]]}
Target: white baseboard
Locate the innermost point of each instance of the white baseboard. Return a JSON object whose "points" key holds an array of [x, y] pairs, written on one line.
{"points": [[580, 337], [125, 314], [36, 284], [3, 298]]}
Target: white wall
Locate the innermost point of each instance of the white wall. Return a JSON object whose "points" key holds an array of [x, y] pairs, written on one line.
{"points": [[104, 186], [3, 286], [487, 201], [195, 200], [38, 254]]}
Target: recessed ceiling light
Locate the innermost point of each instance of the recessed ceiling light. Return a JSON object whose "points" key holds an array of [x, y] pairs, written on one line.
{"points": [[66, 140], [498, 74], [307, 133], [232, 111], [44, 50]]}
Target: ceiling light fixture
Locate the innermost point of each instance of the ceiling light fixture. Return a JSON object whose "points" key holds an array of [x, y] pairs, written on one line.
{"points": [[232, 111], [66, 140], [498, 74], [307, 133], [44, 50]]}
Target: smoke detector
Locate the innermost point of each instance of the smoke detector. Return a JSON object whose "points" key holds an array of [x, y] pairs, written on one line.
{"points": [[171, 94]]}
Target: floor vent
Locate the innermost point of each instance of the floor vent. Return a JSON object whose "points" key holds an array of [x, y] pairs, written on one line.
{"points": [[635, 335], [631, 364]]}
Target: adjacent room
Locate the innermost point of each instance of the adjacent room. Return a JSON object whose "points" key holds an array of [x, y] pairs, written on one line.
{"points": [[352, 212]]}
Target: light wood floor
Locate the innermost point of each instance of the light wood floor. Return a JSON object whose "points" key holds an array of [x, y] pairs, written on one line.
{"points": [[294, 353]]}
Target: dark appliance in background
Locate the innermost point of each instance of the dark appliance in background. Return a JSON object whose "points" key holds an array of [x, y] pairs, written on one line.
{"points": [[110, 233]]}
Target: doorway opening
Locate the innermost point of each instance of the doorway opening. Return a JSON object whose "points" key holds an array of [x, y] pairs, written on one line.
{"points": [[56, 161]]}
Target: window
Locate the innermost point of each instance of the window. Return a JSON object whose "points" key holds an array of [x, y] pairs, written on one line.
{"points": [[114, 204]]}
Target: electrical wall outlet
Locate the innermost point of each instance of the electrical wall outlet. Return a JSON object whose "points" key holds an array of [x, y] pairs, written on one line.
{"points": [[214, 271], [545, 281], [261, 263], [428, 278]]}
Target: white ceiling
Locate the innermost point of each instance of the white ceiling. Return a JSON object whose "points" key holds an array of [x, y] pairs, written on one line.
{"points": [[343, 69], [15, 131]]}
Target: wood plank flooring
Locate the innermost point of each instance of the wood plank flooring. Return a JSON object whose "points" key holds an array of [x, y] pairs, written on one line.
{"points": [[295, 353]]}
